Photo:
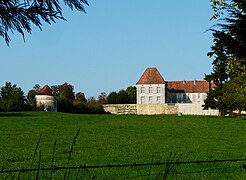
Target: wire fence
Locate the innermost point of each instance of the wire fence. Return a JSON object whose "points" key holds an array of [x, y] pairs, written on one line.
{"points": [[173, 168]]}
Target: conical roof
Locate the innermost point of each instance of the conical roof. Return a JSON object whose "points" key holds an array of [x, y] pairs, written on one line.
{"points": [[151, 76], [46, 90]]}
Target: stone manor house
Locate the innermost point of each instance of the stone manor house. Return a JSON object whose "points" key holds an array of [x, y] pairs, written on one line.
{"points": [[157, 96]]}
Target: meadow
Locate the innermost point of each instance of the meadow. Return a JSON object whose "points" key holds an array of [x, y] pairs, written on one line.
{"points": [[124, 139]]}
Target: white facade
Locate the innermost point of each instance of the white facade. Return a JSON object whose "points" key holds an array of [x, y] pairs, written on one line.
{"points": [[150, 93], [46, 102]]}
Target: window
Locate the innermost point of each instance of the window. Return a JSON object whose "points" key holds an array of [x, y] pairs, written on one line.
{"points": [[158, 100], [158, 90], [142, 89], [150, 89], [179, 97], [187, 96], [150, 100], [142, 100]]}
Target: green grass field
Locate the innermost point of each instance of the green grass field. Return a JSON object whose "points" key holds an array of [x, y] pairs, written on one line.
{"points": [[112, 139]]}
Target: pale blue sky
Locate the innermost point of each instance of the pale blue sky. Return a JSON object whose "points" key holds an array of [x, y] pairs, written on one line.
{"points": [[109, 48]]}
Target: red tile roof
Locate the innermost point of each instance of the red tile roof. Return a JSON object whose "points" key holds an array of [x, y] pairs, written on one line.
{"points": [[46, 90], [189, 86], [151, 76]]}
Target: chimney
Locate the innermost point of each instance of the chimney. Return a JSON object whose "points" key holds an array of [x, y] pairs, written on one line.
{"points": [[195, 82]]}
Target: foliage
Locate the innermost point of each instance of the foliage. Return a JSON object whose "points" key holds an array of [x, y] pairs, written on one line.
{"points": [[234, 95], [228, 52], [114, 139], [12, 98], [122, 97], [31, 99], [212, 99], [66, 90], [95, 106], [64, 104], [36, 87], [20, 15], [132, 92], [80, 97], [127, 96], [102, 98], [111, 98], [80, 107], [55, 90]]}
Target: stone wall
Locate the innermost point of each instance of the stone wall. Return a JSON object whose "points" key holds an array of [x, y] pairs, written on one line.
{"points": [[154, 109], [121, 108], [141, 109], [195, 109]]}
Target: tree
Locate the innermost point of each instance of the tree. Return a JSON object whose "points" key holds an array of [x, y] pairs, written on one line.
{"points": [[234, 95], [12, 98], [36, 87], [31, 99], [80, 97], [228, 51], [64, 105], [122, 97], [112, 98], [94, 106], [132, 92], [55, 90], [20, 15], [31, 96], [102, 98], [66, 90]]}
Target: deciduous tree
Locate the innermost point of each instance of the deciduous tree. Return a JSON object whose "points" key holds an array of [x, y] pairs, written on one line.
{"points": [[80, 97], [122, 97], [233, 95], [12, 98], [132, 92], [112, 98], [102, 98], [66, 90]]}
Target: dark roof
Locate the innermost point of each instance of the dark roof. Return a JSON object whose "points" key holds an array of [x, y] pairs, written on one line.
{"points": [[151, 76], [189, 86], [46, 90]]}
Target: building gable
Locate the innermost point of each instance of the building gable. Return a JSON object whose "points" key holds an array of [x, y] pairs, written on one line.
{"points": [[151, 76], [46, 90]]}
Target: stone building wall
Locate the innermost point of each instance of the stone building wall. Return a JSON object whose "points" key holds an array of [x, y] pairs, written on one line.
{"points": [[46, 102]]}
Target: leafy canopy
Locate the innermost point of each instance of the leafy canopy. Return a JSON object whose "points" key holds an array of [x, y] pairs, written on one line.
{"points": [[12, 98], [228, 51], [19, 15]]}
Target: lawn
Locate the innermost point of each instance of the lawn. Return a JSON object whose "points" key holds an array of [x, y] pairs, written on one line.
{"points": [[114, 139]]}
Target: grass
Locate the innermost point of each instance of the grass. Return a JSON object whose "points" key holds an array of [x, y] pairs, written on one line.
{"points": [[112, 139]]}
